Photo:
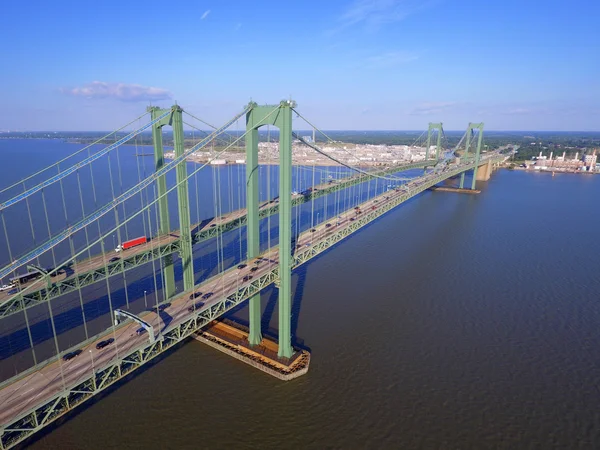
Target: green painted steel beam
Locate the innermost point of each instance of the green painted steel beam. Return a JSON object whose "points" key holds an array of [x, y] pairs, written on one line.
{"points": [[478, 126], [28, 299], [49, 410], [21, 301], [183, 200], [430, 129], [163, 205], [284, 123], [209, 233], [281, 117], [252, 216]]}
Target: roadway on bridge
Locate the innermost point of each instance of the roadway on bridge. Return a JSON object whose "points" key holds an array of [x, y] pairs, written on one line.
{"points": [[101, 260], [24, 393]]}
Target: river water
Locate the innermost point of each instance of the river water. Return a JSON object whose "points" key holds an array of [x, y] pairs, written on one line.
{"points": [[453, 322]]}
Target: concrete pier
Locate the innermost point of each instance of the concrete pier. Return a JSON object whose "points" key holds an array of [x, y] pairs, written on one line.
{"points": [[232, 339], [454, 189], [484, 173]]}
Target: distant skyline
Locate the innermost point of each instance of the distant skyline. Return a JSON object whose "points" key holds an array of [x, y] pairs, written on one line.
{"points": [[350, 65]]}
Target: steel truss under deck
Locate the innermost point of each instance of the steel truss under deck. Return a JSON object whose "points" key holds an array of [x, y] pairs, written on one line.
{"points": [[42, 415], [77, 281]]}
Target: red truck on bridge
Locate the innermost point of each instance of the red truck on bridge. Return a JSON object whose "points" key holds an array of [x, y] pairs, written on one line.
{"points": [[131, 243]]}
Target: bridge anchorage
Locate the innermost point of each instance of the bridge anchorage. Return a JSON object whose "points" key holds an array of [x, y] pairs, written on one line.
{"points": [[73, 283]]}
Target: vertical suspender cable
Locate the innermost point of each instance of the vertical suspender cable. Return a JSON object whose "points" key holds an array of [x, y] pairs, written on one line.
{"points": [[30, 223], [121, 182]]}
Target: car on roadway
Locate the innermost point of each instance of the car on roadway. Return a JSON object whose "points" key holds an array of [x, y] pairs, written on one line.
{"points": [[100, 345], [207, 295], [247, 278], [195, 306], [140, 331], [194, 295], [254, 269], [6, 287], [327, 225], [313, 230], [241, 266], [113, 259], [163, 306], [69, 356]]}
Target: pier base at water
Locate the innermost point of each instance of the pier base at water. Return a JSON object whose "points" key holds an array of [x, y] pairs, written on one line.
{"points": [[232, 339], [454, 189]]}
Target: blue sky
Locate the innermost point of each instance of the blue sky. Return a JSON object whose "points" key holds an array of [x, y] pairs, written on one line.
{"points": [[349, 64]]}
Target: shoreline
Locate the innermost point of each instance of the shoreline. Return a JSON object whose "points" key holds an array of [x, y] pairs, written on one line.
{"points": [[552, 171]]}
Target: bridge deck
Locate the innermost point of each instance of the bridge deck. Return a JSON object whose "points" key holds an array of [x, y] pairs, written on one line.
{"points": [[22, 394], [94, 269]]}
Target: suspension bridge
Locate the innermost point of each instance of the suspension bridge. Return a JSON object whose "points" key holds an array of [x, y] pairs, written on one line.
{"points": [[79, 314]]}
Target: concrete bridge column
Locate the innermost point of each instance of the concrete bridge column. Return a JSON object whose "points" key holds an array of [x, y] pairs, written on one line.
{"points": [[484, 172]]}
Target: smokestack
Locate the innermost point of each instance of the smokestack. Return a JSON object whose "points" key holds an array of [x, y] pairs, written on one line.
{"points": [[540, 155], [577, 156], [551, 156], [564, 155]]}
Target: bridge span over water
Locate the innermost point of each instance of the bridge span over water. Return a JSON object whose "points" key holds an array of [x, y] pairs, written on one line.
{"points": [[345, 198]]}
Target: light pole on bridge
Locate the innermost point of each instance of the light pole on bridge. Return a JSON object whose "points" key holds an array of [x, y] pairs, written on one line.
{"points": [[92, 358]]}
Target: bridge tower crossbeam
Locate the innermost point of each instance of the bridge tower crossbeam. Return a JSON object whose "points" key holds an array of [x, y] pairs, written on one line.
{"points": [[438, 145], [279, 116], [470, 128], [161, 190]]}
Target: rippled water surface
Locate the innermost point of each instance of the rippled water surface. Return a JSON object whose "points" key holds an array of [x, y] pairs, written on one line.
{"points": [[453, 322]]}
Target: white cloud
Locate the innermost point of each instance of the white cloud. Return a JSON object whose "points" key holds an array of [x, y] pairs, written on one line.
{"points": [[389, 59], [373, 14], [119, 91], [428, 108], [205, 15], [520, 111]]}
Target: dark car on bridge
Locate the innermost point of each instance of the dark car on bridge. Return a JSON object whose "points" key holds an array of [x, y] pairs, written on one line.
{"points": [[207, 295], [69, 356], [196, 306], [194, 295], [247, 278], [140, 331], [254, 269], [100, 345], [241, 266], [163, 306], [113, 259]]}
